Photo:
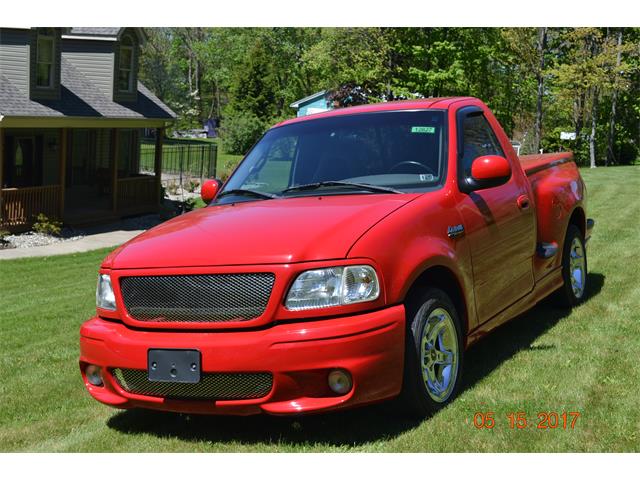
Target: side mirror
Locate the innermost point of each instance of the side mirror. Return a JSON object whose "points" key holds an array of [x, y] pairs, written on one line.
{"points": [[488, 172], [210, 189]]}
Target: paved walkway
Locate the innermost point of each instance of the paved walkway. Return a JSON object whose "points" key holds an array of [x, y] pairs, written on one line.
{"points": [[90, 242]]}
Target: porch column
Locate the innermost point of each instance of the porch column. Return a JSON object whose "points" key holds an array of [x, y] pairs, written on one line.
{"points": [[157, 163], [62, 163], [1, 173], [114, 169]]}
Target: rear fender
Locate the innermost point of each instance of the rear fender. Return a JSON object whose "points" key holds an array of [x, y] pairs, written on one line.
{"points": [[558, 192]]}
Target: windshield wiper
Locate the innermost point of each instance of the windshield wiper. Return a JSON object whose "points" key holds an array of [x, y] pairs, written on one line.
{"points": [[339, 183], [244, 191]]}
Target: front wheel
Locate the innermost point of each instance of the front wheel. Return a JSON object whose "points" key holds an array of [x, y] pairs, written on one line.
{"points": [[574, 268], [433, 353]]}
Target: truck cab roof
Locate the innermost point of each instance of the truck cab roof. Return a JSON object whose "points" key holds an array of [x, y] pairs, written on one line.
{"points": [[423, 103]]}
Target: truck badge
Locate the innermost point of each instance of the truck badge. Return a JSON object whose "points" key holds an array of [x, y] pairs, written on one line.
{"points": [[455, 231]]}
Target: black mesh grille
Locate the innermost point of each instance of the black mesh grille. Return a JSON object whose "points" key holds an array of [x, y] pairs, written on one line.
{"points": [[197, 298], [212, 386]]}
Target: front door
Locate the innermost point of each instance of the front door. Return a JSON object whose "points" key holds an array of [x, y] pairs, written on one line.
{"points": [[501, 230], [24, 164]]}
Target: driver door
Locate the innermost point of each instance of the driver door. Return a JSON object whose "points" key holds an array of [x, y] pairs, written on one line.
{"points": [[500, 228]]}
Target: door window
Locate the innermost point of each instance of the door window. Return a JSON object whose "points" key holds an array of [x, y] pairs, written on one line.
{"points": [[478, 140]]}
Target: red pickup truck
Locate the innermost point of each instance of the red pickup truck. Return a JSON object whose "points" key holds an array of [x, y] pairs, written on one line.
{"points": [[352, 257]]}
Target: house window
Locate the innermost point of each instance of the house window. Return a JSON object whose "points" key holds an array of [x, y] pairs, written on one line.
{"points": [[126, 65], [45, 46]]}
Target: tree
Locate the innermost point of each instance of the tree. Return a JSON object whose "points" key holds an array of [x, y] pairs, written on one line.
{"points": [[350, 56]]}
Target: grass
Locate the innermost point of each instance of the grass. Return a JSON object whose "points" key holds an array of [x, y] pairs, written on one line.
{"points": [[550, 359]]}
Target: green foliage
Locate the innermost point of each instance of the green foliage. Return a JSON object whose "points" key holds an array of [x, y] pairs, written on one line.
{"points": [[46, 226], [240, 131], [228, 72], [254, 87]]}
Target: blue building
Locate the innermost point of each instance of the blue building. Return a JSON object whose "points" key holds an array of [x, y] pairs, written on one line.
{"points": [[316, 103]]}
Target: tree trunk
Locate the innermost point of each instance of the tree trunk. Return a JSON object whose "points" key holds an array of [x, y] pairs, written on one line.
{"points": [[612, 118], [594, 123], [542, 45], [579, 105]]}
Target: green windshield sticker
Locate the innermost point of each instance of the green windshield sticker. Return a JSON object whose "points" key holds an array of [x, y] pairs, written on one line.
{"points": [[423, 129]]}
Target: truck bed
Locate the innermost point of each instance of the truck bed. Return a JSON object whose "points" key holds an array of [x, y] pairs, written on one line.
{"points": [[535, 163]]}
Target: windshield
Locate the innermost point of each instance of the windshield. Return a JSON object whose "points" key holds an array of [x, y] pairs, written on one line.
{"points": [[401, 150]]}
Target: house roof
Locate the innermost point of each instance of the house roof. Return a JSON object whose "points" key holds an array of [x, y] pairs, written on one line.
{"points": [[80, 98], [103, 33], [97, 31], [310, 98]]}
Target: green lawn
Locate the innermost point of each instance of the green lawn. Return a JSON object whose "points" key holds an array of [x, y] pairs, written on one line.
{"points": [[548, 360]]}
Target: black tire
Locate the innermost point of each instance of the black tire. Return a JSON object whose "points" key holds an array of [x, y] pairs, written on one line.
{"points": [[415, 400], [566, 295]]}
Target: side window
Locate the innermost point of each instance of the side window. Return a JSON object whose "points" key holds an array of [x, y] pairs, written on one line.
{"points": [[272, 172], [126, 65], [478, 140], [45, 58]]}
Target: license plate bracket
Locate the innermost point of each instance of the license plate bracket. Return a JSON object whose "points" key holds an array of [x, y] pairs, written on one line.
{"points": [[174, 365]]}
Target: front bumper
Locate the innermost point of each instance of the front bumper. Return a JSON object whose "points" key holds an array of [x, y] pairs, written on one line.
{"points": [[299, 355]]}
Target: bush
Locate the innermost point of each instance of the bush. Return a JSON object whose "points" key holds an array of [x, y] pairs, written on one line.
{"points": [[239, 131], [46, 226]]}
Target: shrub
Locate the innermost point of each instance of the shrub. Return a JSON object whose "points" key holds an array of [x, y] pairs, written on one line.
{"points": [[193, 203], [172, 187], [47, 226], [193, 184], [239, 131]]}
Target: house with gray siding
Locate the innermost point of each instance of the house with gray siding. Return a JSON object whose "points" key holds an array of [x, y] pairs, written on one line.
{"points": [[71, 114]]}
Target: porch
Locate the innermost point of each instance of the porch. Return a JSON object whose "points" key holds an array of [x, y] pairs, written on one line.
{"points": [[75, 175]]}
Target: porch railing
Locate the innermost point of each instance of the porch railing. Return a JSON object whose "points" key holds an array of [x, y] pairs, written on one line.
{"points": [[193, 160], [20, 206], [137, 192]]}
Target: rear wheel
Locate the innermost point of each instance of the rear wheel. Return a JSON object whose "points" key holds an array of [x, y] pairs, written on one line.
{"points": [[574, 268], [433, 353]]}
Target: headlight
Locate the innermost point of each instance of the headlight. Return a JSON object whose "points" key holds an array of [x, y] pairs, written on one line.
{"points": [[329, 287], [105, 298]]}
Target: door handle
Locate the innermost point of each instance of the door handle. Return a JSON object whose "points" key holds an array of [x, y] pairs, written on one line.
{"points": [[523, 202]]}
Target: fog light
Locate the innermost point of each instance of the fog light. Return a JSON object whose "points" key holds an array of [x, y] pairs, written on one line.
{"points": [[340, 381], [94, 375]]}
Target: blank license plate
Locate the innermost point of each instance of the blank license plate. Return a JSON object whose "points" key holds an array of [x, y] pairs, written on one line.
{"points": [[180, 366]]}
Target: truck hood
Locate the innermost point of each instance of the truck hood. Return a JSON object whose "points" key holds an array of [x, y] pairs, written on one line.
{"points": [[259, 232]]}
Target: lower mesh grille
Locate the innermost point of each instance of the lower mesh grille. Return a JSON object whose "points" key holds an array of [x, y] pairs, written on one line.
{"points": [[212, 386]]}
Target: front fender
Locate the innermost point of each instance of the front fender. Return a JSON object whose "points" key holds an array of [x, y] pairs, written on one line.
{"points": [[409, 242]]}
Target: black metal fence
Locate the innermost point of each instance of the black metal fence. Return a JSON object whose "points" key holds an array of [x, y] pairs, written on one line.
{"points": [[194, 160]]}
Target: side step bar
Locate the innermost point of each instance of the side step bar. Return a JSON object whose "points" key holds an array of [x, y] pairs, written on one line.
{"points": [[547, 250], [590, 224]]}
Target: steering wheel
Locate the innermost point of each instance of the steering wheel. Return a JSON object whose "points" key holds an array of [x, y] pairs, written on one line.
{"points": [[414, 164]]}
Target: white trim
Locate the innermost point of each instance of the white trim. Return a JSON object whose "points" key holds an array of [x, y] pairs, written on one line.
{"points": [[86, 37], [313, 96]]}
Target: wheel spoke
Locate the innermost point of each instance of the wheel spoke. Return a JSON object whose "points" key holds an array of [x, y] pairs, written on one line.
{"points": [[444, 357], [431, 376], [435, 329]]}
